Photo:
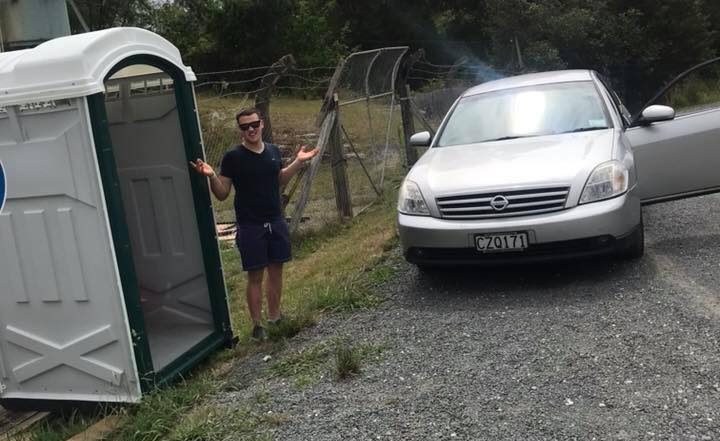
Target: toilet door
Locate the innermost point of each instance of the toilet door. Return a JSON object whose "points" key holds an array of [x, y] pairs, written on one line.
{"points": [[64, 333]]}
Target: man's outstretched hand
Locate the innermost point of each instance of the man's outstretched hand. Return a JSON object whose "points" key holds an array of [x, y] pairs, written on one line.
{"points": [[306, 155], [202, 167]]}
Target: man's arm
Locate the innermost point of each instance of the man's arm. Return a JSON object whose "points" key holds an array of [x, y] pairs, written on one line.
{"points": [[219, 185], [288, 172]]}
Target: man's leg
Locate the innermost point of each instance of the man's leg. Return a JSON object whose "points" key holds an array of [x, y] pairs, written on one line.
{"points": [[253, 251], [254, 294], [273, 289]]}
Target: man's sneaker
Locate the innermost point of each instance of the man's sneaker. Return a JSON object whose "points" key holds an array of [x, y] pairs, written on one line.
{"points": [[278, 321], [258, 333]]}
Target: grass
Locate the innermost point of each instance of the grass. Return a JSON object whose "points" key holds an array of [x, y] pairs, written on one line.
{"points": [[333, 270], [62, 426], [697, 91], [214, 423], [347, 360], [336, 357], [304, 366]]}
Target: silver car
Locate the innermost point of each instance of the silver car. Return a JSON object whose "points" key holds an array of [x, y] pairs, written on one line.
{"points": [[550, 165]]}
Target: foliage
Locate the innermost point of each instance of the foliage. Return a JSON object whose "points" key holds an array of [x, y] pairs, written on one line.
{"points": [[347, 360], [109, 13], [63, 425], [179, 22], [640, 45], [337, 357], [311, 36], [695, 91]]}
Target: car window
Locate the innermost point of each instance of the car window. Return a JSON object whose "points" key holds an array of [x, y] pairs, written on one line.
{"points": [[525, 111], [697, 91]]}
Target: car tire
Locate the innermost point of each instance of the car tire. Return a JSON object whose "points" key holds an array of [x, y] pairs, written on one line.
{"points": [[426, 269], [636, 245]]}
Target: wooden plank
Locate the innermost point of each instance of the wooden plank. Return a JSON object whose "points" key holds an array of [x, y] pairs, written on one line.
{"points": [[14, 423], [325, 131], [329, 99], [99, 430]]}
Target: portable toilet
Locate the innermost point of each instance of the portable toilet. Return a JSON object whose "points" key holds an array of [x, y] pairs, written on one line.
{"points": [[110, 275]]}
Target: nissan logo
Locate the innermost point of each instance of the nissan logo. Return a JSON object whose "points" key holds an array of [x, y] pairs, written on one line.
{"points": [[499, 203]]}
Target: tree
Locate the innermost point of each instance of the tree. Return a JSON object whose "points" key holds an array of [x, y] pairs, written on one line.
{"points": [[379, 23], [246, 32], [110, 13], [640, 45], [312, 36], [184, 23]]}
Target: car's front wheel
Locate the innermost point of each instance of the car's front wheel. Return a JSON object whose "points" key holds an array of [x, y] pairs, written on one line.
{"points": [[424, 268], [636, 244]]}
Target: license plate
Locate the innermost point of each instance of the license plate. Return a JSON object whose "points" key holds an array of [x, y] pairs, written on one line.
{"points": [[494, 243]]}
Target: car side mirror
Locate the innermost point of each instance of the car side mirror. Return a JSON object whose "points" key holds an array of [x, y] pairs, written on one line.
{"points": [[656, 113], [421, 139]]}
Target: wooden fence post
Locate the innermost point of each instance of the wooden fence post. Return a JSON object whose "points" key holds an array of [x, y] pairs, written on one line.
{"points": [[267, 85], [339, 167], [326, 122], [406, 114], [312, 170]]}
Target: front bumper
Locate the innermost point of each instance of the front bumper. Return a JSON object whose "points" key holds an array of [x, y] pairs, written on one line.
{"points": [[585, 230]]}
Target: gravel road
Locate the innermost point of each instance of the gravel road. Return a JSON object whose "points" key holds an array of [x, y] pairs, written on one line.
{"points": [[590, 350]]}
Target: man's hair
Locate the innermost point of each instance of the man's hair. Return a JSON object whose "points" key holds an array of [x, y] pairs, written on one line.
{"points": [[247, 112]]}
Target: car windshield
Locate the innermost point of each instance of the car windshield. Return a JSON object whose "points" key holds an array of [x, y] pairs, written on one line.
{"points": [[525, 111]]}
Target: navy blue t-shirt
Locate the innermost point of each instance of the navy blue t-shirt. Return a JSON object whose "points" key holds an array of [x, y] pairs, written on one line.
{"points": [[255, 177]]}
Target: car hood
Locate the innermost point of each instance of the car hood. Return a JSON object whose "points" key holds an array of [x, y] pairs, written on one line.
{"points": [[523, 162]]}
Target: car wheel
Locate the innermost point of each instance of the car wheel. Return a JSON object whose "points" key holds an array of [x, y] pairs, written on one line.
{"points": [[426, 269], [636, 246]]}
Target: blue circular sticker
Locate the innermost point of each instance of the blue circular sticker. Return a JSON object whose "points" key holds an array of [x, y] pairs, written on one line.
{"points": [[3, 187]]}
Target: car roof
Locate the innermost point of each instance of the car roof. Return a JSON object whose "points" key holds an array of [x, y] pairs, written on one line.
{"points": [[533, 79]]}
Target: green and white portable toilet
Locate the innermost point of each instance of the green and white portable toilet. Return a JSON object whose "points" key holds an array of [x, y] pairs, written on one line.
{"points": [[110, 274]]}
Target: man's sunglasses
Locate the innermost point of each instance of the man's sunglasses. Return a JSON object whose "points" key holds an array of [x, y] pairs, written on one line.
{"points": [[254, 125]]}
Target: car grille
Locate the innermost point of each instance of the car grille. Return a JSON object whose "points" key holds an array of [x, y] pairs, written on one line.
{"points": [[517, 203]]}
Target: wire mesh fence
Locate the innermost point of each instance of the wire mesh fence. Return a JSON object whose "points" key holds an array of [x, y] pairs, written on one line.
{"points": [[352, 111], [296, 99], [360, 121], [368, 126], [377, 135]]}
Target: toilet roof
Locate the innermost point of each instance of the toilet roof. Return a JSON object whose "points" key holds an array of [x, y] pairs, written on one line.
{"points": [[76, 65]]}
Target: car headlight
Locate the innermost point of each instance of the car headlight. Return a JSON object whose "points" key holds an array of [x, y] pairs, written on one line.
{"points": [[411, 201], [608, 180]]}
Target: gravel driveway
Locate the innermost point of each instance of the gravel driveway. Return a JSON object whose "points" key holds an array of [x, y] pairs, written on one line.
{"points": [[590, 350]]}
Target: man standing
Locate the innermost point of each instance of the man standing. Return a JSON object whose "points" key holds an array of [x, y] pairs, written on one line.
{"points": [[255, 170]]}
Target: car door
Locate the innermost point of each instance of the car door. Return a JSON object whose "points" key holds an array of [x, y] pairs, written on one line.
{"points": [[680, 157]]}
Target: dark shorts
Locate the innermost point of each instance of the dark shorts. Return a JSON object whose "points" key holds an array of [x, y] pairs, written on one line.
{"points": [[262, 244]]}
